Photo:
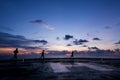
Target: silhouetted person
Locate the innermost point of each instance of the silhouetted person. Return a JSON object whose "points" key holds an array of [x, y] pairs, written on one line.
{"points": [[42, 54], [15, 53], [72, 54], [72, 57]]}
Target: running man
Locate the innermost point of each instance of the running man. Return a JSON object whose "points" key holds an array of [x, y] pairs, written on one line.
{"points": [[15, 53], [42, 54]]}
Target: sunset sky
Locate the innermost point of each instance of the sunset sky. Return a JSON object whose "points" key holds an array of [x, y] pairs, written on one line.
{"points": [[32, 25]]}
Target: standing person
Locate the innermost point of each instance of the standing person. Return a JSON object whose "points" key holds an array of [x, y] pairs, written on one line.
{"points": [[15, 53], [42, 54], [72, 54], [72, 57]]}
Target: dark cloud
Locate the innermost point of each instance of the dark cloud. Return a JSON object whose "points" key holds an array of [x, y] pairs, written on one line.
{"points": [[67, 37], [45, 25], [84, 46], [118, 42], [83, 40], [79, 42], [40, 41], [9, 40], [68, 45], [76, 42], [30, 47], [96, 39], [37, 21], [3, 28], [93, 48]]}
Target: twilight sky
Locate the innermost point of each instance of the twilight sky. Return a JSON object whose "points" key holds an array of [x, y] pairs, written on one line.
{"points": [[32, 25]]}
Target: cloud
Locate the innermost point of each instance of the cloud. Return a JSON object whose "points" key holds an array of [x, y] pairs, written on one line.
{"points": [[113, 26], [67, 37], [84, 46], [30, 47], [96, 39], [79, 42], [3, 28], [68, 45], [45, 25], [92, 34], [88, 34], [118, 42], [107, 27], [40, 41], [76, 42], [9, 40], [37, 21], [93, 48], [57, 38], [83, 40]]}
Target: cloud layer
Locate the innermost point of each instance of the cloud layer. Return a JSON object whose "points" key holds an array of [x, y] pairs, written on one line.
{"points": [[9, 40]]}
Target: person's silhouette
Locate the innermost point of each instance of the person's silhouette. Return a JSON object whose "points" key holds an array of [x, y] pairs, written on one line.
{"points": [[72, 54], [72, 57], [42, 54], [15, 53]]}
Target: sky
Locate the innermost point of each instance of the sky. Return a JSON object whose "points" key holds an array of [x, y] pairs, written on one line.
{"points": [[33, 25]]}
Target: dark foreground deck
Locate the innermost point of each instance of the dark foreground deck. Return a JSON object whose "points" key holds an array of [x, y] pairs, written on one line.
{"points": [[60, 69]]}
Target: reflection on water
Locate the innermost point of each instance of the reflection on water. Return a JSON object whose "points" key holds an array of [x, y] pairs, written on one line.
{"points": [[60, 67], [95, 67]]}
